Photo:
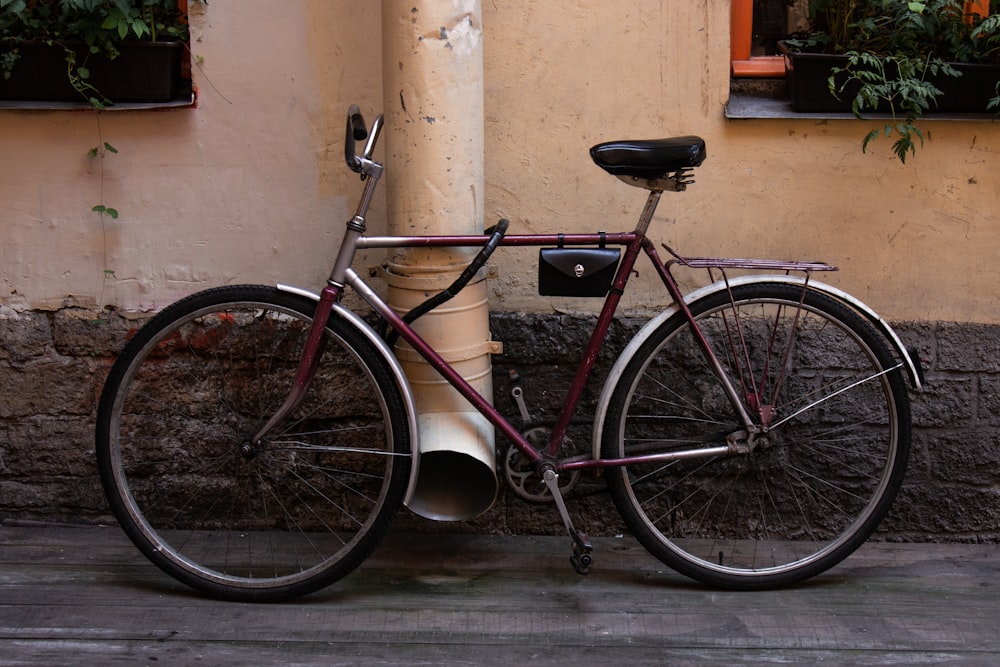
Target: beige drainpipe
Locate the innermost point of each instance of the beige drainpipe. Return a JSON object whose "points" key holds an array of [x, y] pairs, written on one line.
{"points": [[433, 104]]}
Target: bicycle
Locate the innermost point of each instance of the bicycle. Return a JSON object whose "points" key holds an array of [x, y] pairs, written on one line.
{"points": [[254, 442]]}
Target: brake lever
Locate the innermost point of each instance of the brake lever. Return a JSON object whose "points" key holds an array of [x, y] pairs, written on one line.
{"points": [[373, 137]]}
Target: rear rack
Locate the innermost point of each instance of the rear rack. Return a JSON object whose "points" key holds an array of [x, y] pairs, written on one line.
{"points": [[756, 264]]}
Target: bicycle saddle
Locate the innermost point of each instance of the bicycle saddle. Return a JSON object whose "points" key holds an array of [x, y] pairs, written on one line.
{"points": [[649, 159]]}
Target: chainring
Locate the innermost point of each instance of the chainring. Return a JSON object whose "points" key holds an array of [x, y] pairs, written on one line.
{"points": [[523, 479]]}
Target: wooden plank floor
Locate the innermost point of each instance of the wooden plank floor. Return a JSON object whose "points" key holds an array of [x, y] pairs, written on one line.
{"points": [[71, 595]]}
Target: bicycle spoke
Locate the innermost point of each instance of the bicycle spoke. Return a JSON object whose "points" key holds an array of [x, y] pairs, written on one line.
{"points": [[806, 483], [242, 519]]}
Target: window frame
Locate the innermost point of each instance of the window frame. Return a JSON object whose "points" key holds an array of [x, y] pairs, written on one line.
{"points": [[740, 43], [744, 65]]}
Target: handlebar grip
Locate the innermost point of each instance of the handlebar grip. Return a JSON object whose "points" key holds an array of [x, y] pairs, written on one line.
{"points": [[356, 131], [356, 123], [496, 233]]}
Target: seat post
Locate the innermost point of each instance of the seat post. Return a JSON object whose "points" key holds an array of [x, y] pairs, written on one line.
{"points": [[647, 212]]}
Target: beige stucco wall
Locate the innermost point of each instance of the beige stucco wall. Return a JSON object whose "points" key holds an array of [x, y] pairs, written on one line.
{"points": [[249, 186]]}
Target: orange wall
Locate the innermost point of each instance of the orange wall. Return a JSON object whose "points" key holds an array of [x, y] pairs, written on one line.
{"points": [[249, 186]]}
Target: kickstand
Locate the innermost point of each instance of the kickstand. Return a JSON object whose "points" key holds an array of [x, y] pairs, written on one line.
{"points": [[582, 556]]}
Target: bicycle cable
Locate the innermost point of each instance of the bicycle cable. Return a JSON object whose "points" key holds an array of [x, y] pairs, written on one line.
{"points": [[496, 233]]}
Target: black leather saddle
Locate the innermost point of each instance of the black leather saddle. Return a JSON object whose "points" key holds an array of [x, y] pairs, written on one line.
{"points": [[649, 159]]}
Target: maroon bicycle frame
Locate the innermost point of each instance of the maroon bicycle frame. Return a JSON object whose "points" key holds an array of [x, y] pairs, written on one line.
{"points": [[633, 242], [343, 275]]}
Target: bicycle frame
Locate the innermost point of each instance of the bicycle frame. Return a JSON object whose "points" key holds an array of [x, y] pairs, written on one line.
{"points": [[634, 242]]}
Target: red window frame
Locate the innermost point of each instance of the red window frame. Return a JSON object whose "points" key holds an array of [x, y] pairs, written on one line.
{"points": [[740, 41]]}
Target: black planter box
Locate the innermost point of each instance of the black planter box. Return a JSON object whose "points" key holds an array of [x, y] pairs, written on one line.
{"points": [[143, 72], [807, 78], [970, 92]]}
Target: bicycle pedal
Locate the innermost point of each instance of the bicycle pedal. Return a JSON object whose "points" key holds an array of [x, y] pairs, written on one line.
{"points": [[582, 557]]}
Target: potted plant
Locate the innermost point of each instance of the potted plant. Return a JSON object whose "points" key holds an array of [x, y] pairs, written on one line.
{"points": [[99, 51], [898, 57]]}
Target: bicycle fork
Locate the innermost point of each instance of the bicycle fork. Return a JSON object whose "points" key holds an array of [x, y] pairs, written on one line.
{"points": [[307, 366], [371, 172]]}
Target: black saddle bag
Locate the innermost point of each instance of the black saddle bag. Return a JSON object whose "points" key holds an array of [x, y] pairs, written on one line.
{"points": [[576, 271]]}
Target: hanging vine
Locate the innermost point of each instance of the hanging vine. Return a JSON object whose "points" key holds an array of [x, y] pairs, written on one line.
{"points": [[99, 153]]}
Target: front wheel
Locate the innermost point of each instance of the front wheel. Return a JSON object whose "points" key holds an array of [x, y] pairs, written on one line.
{"points": [[806, 484], [244, 520]]}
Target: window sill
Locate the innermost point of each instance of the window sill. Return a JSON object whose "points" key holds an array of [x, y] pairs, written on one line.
{"points": [[772, 67], [749, 105], [180, 102]]}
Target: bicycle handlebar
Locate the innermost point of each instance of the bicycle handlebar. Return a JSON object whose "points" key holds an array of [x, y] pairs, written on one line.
{"points": [[358, 131]]}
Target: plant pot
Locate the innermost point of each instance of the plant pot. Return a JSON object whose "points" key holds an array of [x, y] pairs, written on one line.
{"points": [[807, 77], [142, 72], [971, 92]]}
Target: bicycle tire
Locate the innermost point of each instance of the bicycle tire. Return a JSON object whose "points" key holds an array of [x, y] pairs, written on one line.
{"points": [[240, 522], [808, 493]]}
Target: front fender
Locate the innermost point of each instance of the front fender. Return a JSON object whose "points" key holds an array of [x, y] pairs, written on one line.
{"points": [[402, 383], [909, 362]]}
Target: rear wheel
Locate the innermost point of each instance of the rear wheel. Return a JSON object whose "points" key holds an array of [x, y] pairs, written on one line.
{"points": [[792, 499], [236, 519]]}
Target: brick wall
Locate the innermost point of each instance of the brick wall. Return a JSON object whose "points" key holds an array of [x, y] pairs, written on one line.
{"points": [[52, 366]]}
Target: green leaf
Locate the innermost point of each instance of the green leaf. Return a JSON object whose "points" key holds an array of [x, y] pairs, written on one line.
{"points": [[140, 28], [110, 148], [871, 135], [106, 210], [83, 72], [903, 146]]}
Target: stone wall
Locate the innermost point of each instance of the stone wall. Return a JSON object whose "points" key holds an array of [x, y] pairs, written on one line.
{"points": [[53, 364]]}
